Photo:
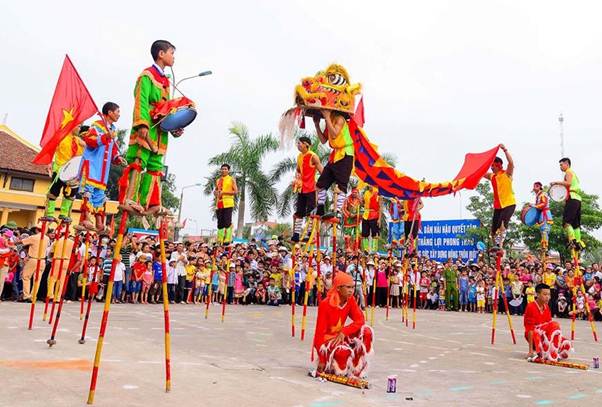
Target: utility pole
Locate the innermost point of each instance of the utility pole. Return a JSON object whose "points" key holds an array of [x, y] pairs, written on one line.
{"points": [[561, 126]]}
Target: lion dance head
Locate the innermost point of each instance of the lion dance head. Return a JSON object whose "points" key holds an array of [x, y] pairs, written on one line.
{"points": [[328, 89]]}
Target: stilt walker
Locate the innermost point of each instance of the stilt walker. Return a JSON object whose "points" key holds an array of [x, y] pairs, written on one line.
{"points": [[107, 307], [36, 281], [162, 238]]}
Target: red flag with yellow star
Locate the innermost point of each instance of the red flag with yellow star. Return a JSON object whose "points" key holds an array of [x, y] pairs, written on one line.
{"points": [[71, 105]]}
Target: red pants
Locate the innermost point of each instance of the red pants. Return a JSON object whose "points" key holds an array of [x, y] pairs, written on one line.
{"points": [[350, 357]]}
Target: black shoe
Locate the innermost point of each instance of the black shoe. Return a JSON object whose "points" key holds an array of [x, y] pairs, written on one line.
{"points": [[295, 238]]}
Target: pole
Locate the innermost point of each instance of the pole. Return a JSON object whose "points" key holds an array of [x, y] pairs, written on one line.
{"points": [[579, 279], [50, 277], [415, 292], [70, 266], [107, 307], [162, 238], [91, 293], [373, 297], [177, 228], [58, 288], [293, 286], [210, 290], [36, 281], [85, 273], [315, 226], [225, 299], [388, 284]]}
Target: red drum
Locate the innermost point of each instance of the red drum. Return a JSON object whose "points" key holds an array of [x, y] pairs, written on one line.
{"points": [[174, 114]]}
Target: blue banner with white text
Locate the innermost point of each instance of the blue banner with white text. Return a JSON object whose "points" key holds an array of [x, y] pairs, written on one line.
{"points": [[444, 239]]}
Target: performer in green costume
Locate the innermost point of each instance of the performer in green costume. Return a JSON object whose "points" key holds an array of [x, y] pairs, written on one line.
{"points": [[140, 193]]}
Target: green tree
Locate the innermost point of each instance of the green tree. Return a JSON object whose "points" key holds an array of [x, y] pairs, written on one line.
{"points": [[591, 219], [245, 156], [481, 207]]}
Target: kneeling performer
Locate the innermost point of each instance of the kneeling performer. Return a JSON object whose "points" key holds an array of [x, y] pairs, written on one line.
{"points": [[342, 349]]}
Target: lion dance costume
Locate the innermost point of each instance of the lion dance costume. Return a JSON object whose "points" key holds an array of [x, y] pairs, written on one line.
{"points": [[349, 358]]}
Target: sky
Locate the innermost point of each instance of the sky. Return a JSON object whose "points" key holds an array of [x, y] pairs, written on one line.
{"points": [[439, 78]]}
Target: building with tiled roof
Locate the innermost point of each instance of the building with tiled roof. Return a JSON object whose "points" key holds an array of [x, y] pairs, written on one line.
{"points": [[23, 185]]}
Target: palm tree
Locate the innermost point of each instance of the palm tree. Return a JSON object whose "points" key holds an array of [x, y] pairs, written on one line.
{"points": [[245, 157]]}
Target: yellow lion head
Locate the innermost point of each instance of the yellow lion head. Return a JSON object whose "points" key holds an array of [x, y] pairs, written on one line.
{"points": [[328, 89]]}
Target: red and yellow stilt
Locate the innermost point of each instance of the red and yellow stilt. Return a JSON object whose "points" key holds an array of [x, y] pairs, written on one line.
{"points": [[59, 230], [107, 307], [85, 274], [91, 293], [57, 286], [210, 290], [225, 299], [415, 292], [162, 239], [315, 229], [36, 280], [70, 266]]}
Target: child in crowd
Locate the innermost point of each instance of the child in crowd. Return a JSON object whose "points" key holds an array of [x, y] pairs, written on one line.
{"points": [[147, 282], [481, 297], [442, 299], [172, 281], [472, 295], [274, 295]]}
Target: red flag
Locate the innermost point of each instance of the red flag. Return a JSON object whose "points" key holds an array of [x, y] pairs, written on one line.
{"points": [[358, 116], [71, 105]]}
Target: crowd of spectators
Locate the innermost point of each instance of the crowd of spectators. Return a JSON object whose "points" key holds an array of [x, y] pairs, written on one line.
{"points": [[260, 273]]}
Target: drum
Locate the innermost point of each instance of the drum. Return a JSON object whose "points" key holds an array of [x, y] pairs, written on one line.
{"points": [[529, 215], [558, 193], [69, 172], [174, 114]]}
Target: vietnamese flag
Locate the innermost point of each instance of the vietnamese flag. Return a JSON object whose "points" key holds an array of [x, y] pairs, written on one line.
{"points": [[358, 117], [71, 105]]}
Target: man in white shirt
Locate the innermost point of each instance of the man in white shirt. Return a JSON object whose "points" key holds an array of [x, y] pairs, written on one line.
{"points": [[179, 256]]}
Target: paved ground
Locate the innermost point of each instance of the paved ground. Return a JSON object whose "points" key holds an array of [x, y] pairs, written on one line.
{"points": [[251, 360]]}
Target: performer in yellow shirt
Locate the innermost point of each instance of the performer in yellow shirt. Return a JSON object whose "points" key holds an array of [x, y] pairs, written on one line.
{"points": [[225, 191], [72, 145], [504, 202]]}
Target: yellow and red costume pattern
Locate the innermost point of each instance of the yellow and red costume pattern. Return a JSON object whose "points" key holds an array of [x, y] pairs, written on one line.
{"points": [[348, 358]]}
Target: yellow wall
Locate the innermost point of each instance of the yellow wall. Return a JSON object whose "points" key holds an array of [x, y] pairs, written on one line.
{"points": [[11, 202]]}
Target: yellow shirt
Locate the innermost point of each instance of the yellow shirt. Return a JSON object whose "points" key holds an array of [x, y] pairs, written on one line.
{"points": [[503, 195], [225, 184], [549, 279], [530, 291], [277, 279], [68, 148], [190, 272], [34, 245]]}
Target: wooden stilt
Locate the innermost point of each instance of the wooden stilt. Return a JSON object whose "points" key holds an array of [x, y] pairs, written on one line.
{"points": [[36, 280], [107, 307]]}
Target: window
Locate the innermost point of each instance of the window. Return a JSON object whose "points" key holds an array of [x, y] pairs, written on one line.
{"points": [[21, 184]]}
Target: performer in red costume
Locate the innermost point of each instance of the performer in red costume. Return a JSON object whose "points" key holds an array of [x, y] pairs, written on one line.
{"points": [[342, 349], [544, 336]]}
